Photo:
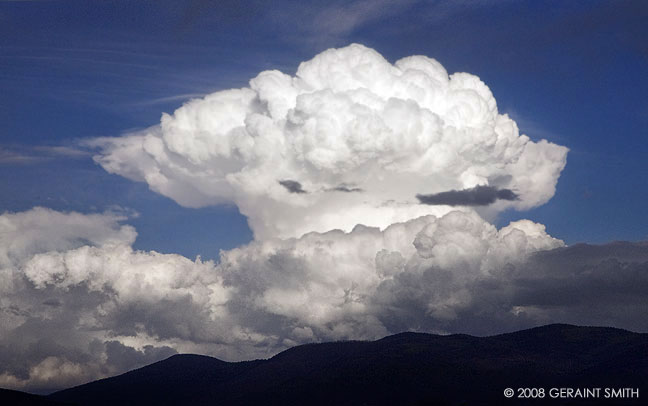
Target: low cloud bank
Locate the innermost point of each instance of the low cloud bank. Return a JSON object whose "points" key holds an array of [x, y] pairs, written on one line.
{"points": [[78, 303]]}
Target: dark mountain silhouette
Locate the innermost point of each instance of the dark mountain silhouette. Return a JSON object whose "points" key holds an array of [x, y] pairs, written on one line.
{"points": [[13, 397], [403, 369]]}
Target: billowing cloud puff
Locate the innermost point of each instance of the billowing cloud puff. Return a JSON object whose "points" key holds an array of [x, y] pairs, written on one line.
{"points": [[39, 230], [26, 233], [79, 303], [332, 284], [347, 117], [106, 308]]}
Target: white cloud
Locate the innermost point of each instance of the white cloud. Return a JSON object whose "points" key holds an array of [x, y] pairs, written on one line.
{"points": [[348, 117], [71, 284], [25, 234], [329, 282], [76, 277]]}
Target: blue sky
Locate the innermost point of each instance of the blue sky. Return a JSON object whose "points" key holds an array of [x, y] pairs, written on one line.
{"points": [[571, 72]]}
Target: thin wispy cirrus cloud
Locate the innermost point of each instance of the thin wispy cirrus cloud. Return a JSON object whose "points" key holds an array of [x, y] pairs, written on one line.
{"points": [[123, 79], [166, 99], [332, 22], [25, 154], [323, 265]]}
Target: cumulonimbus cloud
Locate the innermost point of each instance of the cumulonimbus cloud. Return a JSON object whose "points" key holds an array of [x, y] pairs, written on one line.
{"points": [[327, 166], [347, 117]]}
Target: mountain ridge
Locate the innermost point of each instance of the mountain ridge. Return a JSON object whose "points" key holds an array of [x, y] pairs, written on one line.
{"points": [[405, 368]]}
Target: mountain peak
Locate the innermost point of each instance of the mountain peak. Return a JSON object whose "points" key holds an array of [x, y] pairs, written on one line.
{"points": [[405, 368]]}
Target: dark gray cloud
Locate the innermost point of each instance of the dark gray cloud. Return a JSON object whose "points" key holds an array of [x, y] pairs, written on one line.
{"points": [[178, 318], [125, 358], [346, 188], [49, 338], [52, 302], [599, 285], [292, 186], [476, 196]]}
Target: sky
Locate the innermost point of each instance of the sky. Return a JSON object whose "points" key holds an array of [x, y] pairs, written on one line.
{"points": [[475, 175]]}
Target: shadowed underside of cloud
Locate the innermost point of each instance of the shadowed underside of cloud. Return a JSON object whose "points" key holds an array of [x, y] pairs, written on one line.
{"points": [[346, 189], [107, 308], [476, 196], [292, 186]]}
